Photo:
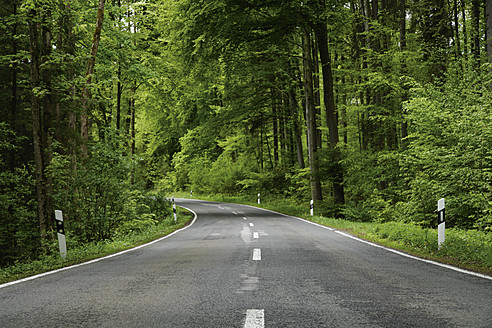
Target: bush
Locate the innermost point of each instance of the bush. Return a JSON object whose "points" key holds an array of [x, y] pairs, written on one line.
{"points": [[19, 229], [450, 151], [99, 200]]}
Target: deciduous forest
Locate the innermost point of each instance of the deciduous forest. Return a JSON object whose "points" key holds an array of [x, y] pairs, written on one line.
{"points": [[375, 109]]}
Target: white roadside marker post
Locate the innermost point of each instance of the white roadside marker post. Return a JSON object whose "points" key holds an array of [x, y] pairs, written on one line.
{"points": [[174, 211], [441, 224], [258, 198], [191, 193], [60, 229], [311, 206]]}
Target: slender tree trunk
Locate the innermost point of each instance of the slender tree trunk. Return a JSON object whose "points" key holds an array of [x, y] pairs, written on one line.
{"points": [[331, 117], [13, 96], [403, 47], [36, 120], [488, 15], [294, 109], [465, 35], [317, 93], [119, 91], [40, 48], [84, 116], [475, 42], [283, 140], [275, 127], [47, 121], [456, 30], [310, 115]]}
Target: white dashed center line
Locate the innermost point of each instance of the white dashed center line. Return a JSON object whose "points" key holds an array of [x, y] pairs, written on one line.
{"points": [[256, 235], [255, 319], [256, 254], [251, 225]]}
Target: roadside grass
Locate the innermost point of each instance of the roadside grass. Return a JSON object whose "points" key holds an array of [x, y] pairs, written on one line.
{"points": [[467, 249], [87, 252]]}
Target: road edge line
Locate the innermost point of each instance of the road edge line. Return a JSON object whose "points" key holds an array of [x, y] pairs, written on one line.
{"points": [[40, 275], [443, 265]]}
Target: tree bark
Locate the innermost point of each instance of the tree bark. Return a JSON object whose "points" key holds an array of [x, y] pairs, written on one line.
{"points": [[475, 42], [456, 30], [40, 48], [316, 192], [294, 111], [488, 14], [317, 92], [403, 47], [13, 96], [331, 117], [275, 127], [118, 99], [84, 116]]}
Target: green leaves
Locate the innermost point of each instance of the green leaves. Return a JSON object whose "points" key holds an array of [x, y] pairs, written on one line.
{"points": [[450, 149]]}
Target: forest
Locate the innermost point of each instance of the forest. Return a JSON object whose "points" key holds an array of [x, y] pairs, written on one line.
{"points": [[375, 109]]}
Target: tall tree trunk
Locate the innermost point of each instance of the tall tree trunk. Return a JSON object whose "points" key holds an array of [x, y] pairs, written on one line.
{"points": [[13, 96], [331, 117], [275, 126], [465, 35], [119, 91], [294, 111], [488, 14], [403, 47], [456, 30], [475, 34], [84, 116], [41, 117], [317, 93], [47, 120], [310, 115], [282, 130], [132, 126]]}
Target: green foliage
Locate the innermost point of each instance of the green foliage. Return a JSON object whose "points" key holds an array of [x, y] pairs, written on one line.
{"points": [[19, 232], [98, 199], [92, 250], [449, 153], [215, 91]]}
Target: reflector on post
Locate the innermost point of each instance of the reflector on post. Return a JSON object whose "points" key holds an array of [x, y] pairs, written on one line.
{"points": [[60, 229], [441, 224]]}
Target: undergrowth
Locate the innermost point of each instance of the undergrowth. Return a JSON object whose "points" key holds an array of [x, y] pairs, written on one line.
{"points": [[90, 251]]}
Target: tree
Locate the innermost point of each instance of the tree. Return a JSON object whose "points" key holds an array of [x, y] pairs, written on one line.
{"points": [[488, 13], [84, 116], [311, 124], [331, 118], [42, 111]]}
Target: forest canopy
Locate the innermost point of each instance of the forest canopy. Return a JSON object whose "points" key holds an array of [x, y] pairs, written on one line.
{"points": [[375, 109]]}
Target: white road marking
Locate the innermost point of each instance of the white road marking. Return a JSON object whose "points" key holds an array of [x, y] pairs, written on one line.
{"points": [[447, 266], [255, 318], [256, 235], [102, 258], [245, 218], [235, 213], [414, 257], [256, 254], [251, 225]]}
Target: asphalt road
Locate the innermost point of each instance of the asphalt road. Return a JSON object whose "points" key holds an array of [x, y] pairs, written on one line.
{"points": [[238, 266]]}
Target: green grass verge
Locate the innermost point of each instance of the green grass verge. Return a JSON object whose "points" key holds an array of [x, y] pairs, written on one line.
{"points": [[92, 251], [467, 249]]}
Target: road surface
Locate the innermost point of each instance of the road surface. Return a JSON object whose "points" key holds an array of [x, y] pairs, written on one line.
{"points": [[239, 266]]}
